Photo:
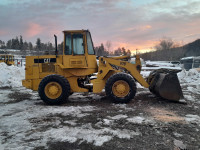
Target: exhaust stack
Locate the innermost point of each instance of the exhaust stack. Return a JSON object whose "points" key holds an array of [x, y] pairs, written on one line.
{"points": [[56, 48]]}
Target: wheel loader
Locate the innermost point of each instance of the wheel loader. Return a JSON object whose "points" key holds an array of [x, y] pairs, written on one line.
{"points": [[55, 77], [8, 59]]}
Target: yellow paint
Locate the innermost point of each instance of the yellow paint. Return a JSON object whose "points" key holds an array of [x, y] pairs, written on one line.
{"points": [[53, 90], [120, 88], [8, 59], [78, 67]]}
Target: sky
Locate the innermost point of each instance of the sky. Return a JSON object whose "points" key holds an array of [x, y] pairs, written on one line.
{"points": [[133, 24]]}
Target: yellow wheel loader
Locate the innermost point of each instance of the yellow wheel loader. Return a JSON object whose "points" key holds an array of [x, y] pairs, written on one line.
{"points": [[57, 76], [8, 59]]}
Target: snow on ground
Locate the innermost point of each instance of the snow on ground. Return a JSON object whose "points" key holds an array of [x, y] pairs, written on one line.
{"points": [[11, 76], [154, 65], [191, 77], [190, 83], [20, 121], [159, 63], [27, 123]]}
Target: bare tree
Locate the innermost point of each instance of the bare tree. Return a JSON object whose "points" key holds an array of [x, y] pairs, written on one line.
{"points": [[165, 44], [108, 45]]}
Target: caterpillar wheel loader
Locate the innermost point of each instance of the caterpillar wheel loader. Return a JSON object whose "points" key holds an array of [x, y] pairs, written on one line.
{"points": [[8, 59], [57, 76]]}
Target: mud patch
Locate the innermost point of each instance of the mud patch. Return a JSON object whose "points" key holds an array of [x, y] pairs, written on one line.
{"points": [[164, 115], [5, 88], [18, 97]]}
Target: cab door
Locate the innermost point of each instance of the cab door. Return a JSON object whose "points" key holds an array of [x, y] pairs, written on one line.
{"points": [[74, 51]]}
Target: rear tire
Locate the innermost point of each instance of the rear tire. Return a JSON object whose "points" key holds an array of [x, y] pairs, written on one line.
{"points": [[121, 88], [54, 89]]}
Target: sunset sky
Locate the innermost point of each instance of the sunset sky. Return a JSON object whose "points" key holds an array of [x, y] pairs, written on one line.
{"points": [[133, 24]]}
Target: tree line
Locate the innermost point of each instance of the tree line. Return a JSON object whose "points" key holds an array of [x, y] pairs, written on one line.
{"points": [[165, 50], [105, 51], [18, 43]]}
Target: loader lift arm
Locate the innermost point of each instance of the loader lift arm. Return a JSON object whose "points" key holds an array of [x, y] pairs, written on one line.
{"points": [[109, 66]]}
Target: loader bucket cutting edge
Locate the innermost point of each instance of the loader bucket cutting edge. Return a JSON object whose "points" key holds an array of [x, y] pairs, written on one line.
{"points": [[166, 86]]}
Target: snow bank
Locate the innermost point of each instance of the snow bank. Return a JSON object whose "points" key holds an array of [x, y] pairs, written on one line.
{"points": [[191, 81], [11, 76], [159, 63], [191, 78]]}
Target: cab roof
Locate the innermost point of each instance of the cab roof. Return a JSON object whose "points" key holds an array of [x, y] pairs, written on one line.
{"points": [[6, 55], [75, 31]]}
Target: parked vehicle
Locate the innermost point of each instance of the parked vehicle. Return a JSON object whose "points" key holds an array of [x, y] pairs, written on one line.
{"points": [[190, 62], [8, 59]]}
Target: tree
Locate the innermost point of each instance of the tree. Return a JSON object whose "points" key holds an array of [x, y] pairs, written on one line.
{"points": [[9, 44], [118, 52], [21, 43], [25, 45], [128, 52], [165, 44], [38, 44], [108, 45], [60, 48], [15, 43], [124, 51], [30, 46], [2, 44]]}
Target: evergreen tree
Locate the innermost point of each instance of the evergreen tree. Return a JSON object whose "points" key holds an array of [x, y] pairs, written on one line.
{"points": [[21, 44], [2, 44], [38, 44], [60, 48], [30, 46], [124, 51], [118, 52], [25, 45], [9, 44]]}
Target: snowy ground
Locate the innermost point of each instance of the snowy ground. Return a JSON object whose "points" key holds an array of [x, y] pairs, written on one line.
{"points": [[89, 121]]}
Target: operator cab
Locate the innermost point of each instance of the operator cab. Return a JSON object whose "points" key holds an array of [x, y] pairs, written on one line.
{"points": [[78, 49]]}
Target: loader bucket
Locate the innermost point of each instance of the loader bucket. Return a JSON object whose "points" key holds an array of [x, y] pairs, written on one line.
{"points": [[166, 85]]}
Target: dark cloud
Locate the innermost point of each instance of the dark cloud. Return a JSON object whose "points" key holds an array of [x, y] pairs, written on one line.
{"points": [[120, 21]]}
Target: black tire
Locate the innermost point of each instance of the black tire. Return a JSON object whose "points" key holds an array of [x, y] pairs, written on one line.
{"points": [[117, 77], [62, 81]]}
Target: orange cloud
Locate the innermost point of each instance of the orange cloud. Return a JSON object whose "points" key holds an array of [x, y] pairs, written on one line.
{"points": [[34, 29], [140, 28], [146, 27], [2, 32], [146, 46]]}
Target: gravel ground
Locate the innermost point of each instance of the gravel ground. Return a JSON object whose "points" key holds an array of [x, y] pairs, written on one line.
{"points": [[89, 121]]}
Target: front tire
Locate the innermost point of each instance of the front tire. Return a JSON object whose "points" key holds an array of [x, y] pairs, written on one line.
{"points": [[54, 89], [121, 88]]}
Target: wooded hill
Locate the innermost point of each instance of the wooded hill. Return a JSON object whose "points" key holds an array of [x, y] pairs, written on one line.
{"points": [[174, 54]]}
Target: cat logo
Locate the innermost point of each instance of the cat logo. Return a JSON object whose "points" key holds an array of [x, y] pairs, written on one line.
{"points": [[45, 60]]}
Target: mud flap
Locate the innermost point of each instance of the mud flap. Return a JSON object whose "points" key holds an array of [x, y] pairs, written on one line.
{"points": [[167, 86]]}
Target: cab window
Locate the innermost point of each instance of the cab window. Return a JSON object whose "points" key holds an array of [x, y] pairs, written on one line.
{"points": [[78, 45], [68, 44], [90, 44]]}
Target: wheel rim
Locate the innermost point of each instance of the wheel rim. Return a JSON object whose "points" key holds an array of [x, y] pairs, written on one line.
{"points": [[53, 90], [121, 88]]}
